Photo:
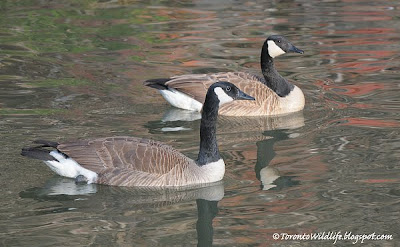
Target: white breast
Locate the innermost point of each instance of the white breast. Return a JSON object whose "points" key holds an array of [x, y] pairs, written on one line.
{"points": [[214, 171], [293, 102], [181, 100], [209, 173]]}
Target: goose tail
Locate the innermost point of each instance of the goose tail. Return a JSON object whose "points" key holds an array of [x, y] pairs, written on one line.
{"points": [[39, 153], [158, 83], [174, 96], [59, 162]]}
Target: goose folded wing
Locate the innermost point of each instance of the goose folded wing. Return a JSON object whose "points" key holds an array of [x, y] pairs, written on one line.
{"points": [[266, 101], [116, 154], [196, 85]]}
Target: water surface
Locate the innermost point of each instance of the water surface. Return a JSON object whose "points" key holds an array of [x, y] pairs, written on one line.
{"points": [[74, 69]]}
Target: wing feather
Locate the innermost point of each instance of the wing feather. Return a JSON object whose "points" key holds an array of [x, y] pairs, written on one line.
{"points": [[128, 161]]}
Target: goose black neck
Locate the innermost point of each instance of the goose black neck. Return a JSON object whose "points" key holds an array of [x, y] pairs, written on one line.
{"points": [[272, 78], [208, 139]]}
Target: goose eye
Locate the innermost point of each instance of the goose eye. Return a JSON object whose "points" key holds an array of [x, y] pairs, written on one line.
{"points": [[228, 88]]}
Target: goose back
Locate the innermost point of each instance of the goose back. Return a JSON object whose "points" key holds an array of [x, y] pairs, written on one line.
{"points": [[131, 161]]}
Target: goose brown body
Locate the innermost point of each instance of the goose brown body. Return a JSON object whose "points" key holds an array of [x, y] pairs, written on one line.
{"points": [[131, 161], [267, 101]]}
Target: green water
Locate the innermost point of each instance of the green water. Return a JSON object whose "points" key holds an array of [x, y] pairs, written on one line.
{"points": [[74, 70]]}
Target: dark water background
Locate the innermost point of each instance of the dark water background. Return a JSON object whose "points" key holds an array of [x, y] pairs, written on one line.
{"points": [[74, 70]]}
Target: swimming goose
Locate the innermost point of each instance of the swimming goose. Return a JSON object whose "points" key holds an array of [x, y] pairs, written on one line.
{"points": [[274, 94], [132, 161]]}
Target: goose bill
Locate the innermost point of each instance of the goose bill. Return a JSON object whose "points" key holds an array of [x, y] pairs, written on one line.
{"points": [[243, 96], [295, 49]]}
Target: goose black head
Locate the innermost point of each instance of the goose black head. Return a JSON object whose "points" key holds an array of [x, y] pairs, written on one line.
{"points": [[227, 92], [278, 45]]}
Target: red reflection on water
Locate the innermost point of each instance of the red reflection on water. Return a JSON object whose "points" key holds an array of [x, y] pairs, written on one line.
{"points": [[368, 122], [351, 42], [355, 90], [368, 59], [362, 106], [366, 53], [366, 18], [366, 31], [351, 90], [196, 63], [362, 66]]}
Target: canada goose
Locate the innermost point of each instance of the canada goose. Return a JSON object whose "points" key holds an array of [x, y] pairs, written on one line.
{"points": [[132, 161], [274, 94]]}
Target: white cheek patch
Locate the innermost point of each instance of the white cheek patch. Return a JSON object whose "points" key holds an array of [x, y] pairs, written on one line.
{"points": [[273, 49], [222, 96]]}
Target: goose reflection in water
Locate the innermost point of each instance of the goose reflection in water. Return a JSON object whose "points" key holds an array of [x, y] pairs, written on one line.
{"points": [[261, 123], [112, 202], [270, 177]]}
